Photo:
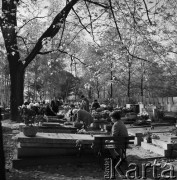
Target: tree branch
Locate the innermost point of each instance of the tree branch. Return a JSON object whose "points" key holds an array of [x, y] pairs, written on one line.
{"points": [[51, 31], [132, 14], [46, 52], [86, 26], [72, 56], [99, 4], [90, 18], [80, 21], [62, 34], [24, 43], [172, 52], [29, 21], [132, 55], [115, 20], [147, 12]]}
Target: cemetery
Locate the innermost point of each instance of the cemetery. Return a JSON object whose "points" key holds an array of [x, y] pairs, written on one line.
{"points": [[54, 140], [59, 140], [88, 88]]}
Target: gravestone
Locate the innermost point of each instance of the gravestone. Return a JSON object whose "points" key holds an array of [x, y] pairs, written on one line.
{"points": [[50, 144]]}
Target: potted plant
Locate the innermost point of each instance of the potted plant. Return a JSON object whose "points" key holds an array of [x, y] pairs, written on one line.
{"points": [[29, 115]]}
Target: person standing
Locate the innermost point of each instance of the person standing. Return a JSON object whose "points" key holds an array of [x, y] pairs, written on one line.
{"points": [[49, 111], [85, 103], [55, 105], [60, 102], [72, 106], [95, 105]]}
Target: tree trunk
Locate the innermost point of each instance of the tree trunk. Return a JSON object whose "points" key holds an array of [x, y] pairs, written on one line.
{"points": [[2, 162], [97, 89], [17, 87], [104, 92], [90, 93], [98, 94], [142, 93], [2, 157], [111, 94], [129, 81], [142, 81]]}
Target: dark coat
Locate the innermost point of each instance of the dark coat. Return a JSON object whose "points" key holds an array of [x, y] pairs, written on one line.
{"points": [[85, 104], [49, 112]]}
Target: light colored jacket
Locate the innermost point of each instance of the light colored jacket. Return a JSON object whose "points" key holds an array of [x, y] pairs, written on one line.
{"points": [[86, 117]]}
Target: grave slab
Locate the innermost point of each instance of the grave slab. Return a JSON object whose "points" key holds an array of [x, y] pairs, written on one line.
{"points": [[57, 130], [156, 149], [52, 124], [51, 144], [56, 120], [164, 144], [55, 138], [48, 145], [158, 129], [168, 137]]}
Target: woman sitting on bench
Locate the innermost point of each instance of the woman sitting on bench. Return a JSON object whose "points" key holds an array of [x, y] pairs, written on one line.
{"points": [[118, 129]]}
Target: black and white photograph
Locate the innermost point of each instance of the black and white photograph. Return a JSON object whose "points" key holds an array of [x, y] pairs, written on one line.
{"points": [[88, 89]]}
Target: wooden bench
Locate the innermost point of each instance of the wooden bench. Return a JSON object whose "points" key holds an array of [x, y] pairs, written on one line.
{"points": [[103, 144]]}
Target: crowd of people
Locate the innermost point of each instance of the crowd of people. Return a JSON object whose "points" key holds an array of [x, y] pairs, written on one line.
{"points": [[78, 112], [42, 108]]}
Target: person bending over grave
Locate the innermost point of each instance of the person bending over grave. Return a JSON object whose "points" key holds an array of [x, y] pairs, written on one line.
{"points": [[82, 115]]}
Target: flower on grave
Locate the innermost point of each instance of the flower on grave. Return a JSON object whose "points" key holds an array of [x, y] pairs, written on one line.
{"points": [[79, 142], [147, 134], [154, 136], [28, 114], [148, 137]]}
